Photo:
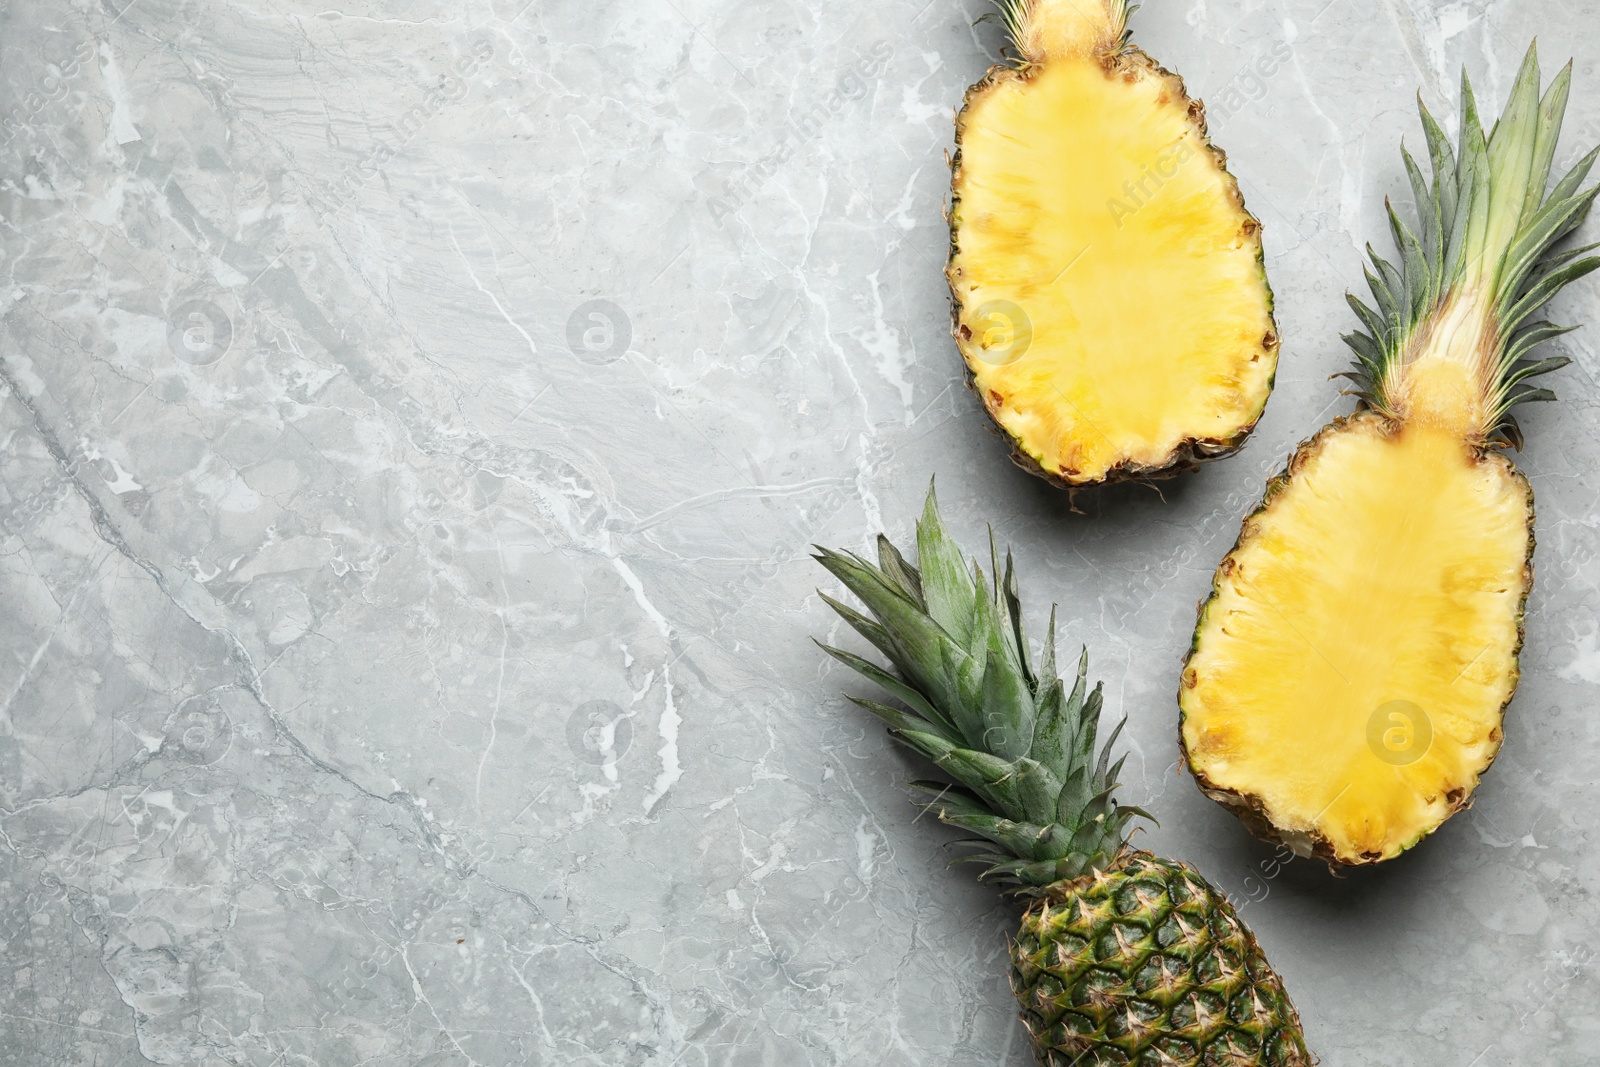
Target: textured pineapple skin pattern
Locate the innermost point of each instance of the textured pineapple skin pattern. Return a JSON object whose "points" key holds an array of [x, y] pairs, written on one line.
{"points": [[1148, 964]]}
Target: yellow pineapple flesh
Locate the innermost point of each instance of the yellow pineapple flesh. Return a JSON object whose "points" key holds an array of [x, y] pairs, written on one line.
{"points": [[1297, 675]]}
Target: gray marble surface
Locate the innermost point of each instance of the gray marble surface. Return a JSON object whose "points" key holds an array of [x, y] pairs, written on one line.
{"points": [[413, 417]]}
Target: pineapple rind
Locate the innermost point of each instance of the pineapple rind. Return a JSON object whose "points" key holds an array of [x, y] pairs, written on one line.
{"points": [[1250, 808], [1195, 450], [1146, 962]]}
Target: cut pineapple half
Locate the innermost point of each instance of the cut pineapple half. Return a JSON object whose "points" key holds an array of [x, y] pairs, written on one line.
{"points": [[1109, 295], [1351, 669]]}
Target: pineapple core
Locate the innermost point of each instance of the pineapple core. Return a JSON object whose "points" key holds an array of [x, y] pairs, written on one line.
{"points": [[1113, 306], [1448, 375], [1063, 29]]}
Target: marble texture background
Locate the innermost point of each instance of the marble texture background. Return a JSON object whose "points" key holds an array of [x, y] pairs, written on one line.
{"points": [[413, 417]]}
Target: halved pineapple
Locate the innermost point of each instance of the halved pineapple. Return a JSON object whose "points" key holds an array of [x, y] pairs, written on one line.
{"points": [[1109, 295], [1350, 671], [1353, 661]]}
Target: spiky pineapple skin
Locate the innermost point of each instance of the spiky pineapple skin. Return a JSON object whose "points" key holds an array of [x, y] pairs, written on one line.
{"points": [[1194, 452], [1147, 964]]}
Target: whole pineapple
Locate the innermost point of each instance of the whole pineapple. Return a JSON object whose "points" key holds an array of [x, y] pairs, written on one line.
{"points": [[1122, 957], [1351, 669], [1109, 296]]}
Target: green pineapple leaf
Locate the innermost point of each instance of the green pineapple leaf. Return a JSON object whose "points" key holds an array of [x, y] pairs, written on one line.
{"points": [[1489, 231], [1027, 774]]}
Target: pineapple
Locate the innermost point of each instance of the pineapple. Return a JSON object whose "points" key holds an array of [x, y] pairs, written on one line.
{"points": [[1108, 292], [1350, 670], [1122, 958]]}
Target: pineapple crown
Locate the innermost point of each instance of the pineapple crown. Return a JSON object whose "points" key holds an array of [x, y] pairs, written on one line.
{"points": [[1020, 747], [1047, 29], [1487, 229]]}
